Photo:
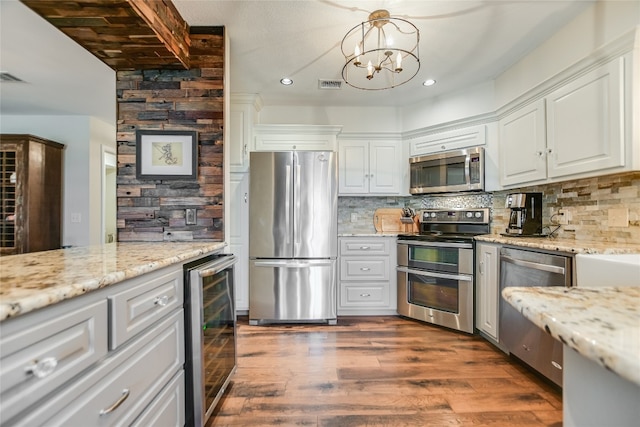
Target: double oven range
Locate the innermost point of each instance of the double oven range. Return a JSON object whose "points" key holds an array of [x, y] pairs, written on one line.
{"points": [[436, 267]]}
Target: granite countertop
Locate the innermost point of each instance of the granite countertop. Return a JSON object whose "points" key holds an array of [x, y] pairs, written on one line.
{"points": [[562, 245], [36, 280], [601, 324]]}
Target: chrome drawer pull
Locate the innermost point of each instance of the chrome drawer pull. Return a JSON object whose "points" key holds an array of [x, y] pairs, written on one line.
{"points": [[365, 295], [365, 269], [364, 248], [161, 301], [110, 409], [43, 367]]}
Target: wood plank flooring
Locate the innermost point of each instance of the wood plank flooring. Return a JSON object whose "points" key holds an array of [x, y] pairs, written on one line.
{"points": [[379, 371]]}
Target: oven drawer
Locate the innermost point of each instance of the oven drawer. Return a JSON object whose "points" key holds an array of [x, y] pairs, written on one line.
{"points": [[373, 268], [356, 295]]}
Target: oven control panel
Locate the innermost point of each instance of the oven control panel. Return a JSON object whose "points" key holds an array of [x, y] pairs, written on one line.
{"points": [[473, 216]]}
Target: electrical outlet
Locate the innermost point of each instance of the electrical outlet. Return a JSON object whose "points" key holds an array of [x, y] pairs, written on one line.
{"points": [[564, 216], [354, 217], [190, 216]]}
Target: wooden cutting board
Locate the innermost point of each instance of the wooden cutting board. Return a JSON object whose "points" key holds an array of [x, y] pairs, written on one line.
{"points": [[388, 220]]}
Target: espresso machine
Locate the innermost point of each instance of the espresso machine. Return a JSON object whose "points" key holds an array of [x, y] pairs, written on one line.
{"points": [[525, 218]]}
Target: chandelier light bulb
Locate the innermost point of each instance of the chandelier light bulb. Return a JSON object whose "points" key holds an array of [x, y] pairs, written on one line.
{"points": [[399, 62], [356, 52], [369, 70]]}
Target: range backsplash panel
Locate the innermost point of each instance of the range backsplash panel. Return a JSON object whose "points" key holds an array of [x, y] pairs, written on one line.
{"points": [[595, 206]]}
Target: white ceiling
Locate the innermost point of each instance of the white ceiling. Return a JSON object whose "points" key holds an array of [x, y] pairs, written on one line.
{"points": [[461, 43]]}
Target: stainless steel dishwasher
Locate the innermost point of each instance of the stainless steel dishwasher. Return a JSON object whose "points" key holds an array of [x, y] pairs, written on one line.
{"points": [[523, 339]]}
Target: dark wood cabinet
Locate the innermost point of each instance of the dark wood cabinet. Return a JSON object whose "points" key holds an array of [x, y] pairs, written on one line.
{"points": [[30, 194]]}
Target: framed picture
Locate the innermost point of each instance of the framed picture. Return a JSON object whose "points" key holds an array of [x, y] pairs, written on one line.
{"points": [[166, 154]]}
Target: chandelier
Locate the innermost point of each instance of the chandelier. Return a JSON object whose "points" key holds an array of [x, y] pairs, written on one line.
{"points": [[380, 53]]}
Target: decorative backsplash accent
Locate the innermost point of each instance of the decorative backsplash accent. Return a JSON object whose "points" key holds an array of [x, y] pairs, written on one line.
{"points": [[596, 207]]}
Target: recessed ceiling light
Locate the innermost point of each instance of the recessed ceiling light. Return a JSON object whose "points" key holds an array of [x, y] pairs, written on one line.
{"points": [[286, 81], [429, 82]]}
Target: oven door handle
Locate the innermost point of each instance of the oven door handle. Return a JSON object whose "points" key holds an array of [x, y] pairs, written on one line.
{"points": [[432, 274], [436, 244]]}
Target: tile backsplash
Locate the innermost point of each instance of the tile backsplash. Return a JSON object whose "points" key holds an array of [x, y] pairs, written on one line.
{"points": [[602, 208]]}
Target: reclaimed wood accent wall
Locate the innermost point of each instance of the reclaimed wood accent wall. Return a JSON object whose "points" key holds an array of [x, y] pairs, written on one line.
{"points": [[170, 99]]}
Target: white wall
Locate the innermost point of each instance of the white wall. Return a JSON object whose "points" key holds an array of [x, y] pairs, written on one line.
{"points": [[82, 136], [600, 24], [353, 119], [467, 102]]}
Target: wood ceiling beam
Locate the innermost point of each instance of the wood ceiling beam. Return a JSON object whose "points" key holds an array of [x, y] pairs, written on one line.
{"points": [[124, 34]]}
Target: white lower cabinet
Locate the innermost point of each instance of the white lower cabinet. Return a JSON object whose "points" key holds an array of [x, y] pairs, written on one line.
{"points": [[110, 357], [367, 273], [487, 289]]}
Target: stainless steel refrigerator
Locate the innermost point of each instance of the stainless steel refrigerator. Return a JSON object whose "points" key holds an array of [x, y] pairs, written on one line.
{"points": [[293, 239]]}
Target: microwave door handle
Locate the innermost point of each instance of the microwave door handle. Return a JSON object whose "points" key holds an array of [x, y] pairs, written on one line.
{"points": [[467, 169]]}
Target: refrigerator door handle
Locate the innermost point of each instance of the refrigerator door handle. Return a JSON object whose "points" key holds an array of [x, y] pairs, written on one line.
{"points": [[296, 204], [287, 203], [293, 264]]}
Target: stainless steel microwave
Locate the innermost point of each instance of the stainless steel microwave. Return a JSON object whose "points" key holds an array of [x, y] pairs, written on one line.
{"points": [[450, 171]]}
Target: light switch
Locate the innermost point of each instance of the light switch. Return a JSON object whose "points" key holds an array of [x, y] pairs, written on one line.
{"points": [[354, 217], [190, 216]]}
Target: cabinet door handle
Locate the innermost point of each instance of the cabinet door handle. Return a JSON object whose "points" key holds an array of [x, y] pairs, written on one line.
{"points": [[480, 267], [556, 365], [42, 368], [539, 153], [125, 395], [245, 197], [161, 301]]}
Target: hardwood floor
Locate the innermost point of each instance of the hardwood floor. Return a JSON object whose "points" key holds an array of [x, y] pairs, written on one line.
{"points": [[379, 371]]}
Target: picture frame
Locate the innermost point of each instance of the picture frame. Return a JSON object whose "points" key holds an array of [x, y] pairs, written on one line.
{"points": [[166, 154]]}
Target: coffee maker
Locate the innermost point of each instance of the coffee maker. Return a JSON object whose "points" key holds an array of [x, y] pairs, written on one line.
{"points": [[525, 218]]}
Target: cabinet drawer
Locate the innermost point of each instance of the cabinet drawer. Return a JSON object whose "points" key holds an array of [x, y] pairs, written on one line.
{"points": [[167, 409], [364, 269], [376, 246], [38, 359], [370, 296], [122, 386], [143, 305]]}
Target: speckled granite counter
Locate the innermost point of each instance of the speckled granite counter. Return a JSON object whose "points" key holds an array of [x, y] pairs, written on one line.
{"points": [[562, 245], [601, 324], [36, 280]]}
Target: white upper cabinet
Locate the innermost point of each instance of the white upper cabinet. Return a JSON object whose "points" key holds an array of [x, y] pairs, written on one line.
{"points": [[295, 137], [585, 122], [575, 130], [523, 145], [470, 136], [370, 167], [243, 110]]}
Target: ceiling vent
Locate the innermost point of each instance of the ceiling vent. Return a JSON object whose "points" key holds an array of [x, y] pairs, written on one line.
{"points": [[6, 77], [329, 84]]}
